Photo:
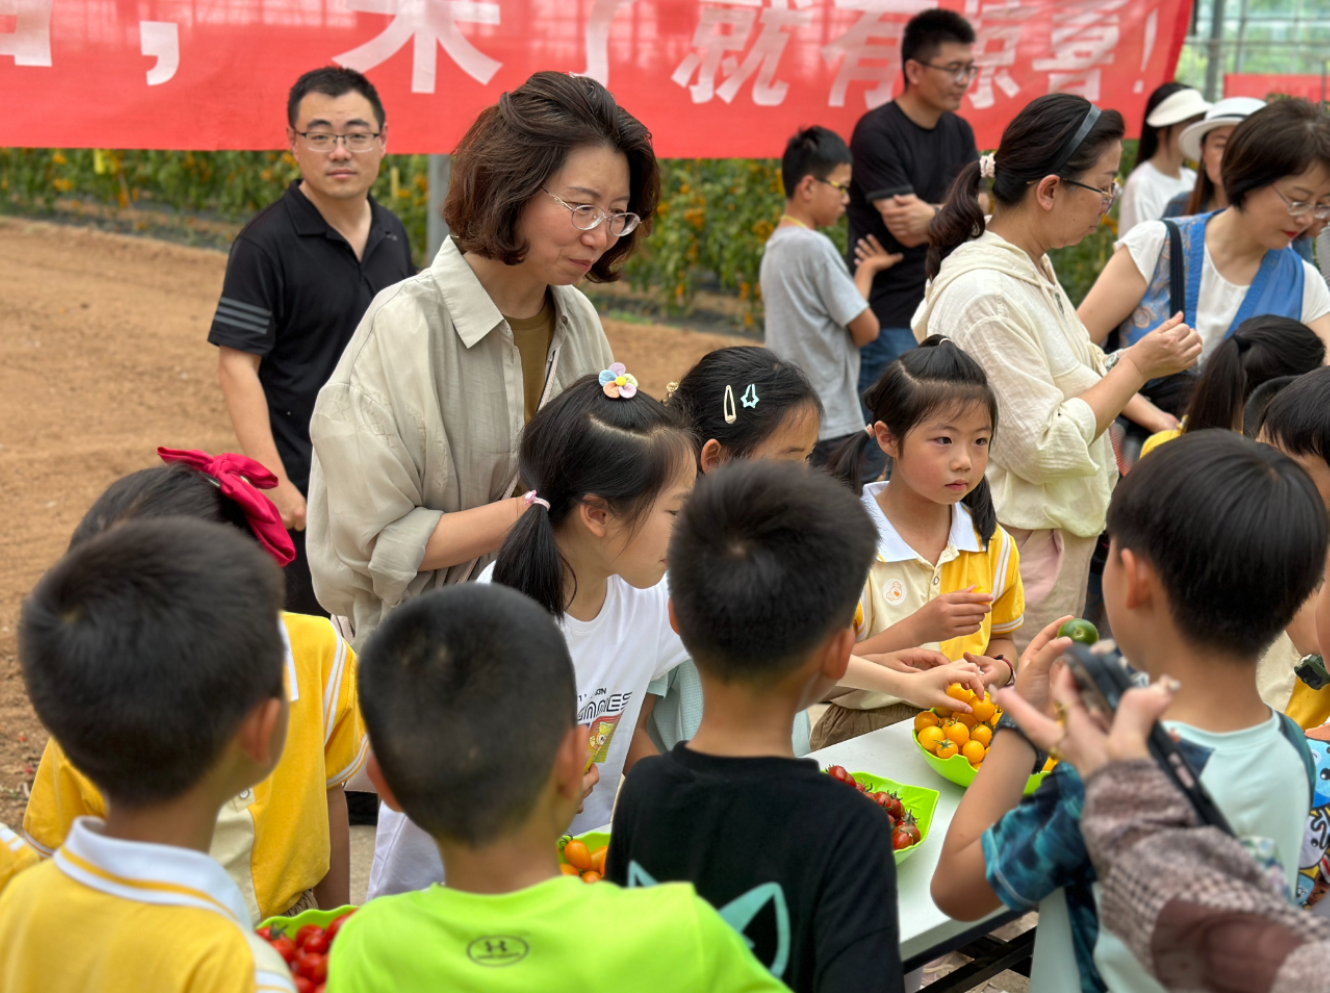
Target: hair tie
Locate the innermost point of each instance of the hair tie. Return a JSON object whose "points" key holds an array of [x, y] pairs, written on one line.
{"points": [[240, 478], [727, 405], [618, 383], [531, 498], [671, 389], [869, 429], [988, 166]]}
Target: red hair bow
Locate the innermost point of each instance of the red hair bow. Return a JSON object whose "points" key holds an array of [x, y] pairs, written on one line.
{"points": [[240, 478]]}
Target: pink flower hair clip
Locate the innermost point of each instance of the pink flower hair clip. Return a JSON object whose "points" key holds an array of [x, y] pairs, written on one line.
{"points": [[618, 383]]}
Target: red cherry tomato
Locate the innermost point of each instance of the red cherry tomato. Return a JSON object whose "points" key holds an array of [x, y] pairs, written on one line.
{"points": [[317, 943], [303, 985], [285, 947], [900, 838], [312, 965], [891, 803], [265, 933], [910, 828], [307, 932], [838, 772], [336, 925]]}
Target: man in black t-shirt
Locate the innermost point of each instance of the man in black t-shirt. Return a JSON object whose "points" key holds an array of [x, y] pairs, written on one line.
{"points": [[300, 276], [906, 155], [767, 563]]}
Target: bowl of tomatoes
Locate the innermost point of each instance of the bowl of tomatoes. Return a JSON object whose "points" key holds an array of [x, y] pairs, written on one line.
{"points": [[584, 855], [955, 745], [909, 809], [304, 942]]}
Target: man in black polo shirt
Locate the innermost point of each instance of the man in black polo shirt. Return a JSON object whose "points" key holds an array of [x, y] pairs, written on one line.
{"points": [[906, 155], [300, 276]]}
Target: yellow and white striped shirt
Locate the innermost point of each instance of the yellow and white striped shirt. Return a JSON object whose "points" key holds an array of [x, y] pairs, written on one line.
{"points": [[130, 917], [273, 839]]}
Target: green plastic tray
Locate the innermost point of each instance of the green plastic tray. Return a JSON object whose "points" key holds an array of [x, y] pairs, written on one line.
{"points": [[918, 800], [288, 926], [959, 771]]}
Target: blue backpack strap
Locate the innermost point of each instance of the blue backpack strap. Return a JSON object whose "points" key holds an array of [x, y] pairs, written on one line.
{"points": [[1298, 739]]}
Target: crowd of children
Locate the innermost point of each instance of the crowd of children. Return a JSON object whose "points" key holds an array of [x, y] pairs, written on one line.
{"points": [[689, 576]]}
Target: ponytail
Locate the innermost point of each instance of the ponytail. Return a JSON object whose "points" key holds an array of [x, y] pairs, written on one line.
{"points": [[586, 446], [961, 219], [1261, 349], [847, 462], [937, 375]]}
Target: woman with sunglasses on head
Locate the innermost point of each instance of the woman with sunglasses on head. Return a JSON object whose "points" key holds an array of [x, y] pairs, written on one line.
{"points": [[994, 291], [415, 476], [1237, 262]]}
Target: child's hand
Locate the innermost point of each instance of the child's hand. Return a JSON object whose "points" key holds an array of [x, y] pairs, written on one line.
{"points": [[995, 672], [1032, 677], [868, 252], [929, 688], [910, 660], [589, 782], [951, 615]]}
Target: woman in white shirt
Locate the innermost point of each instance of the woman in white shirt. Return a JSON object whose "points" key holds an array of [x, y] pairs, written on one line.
{"points": [[993, 290], [1159, 174], [1237, 262]]}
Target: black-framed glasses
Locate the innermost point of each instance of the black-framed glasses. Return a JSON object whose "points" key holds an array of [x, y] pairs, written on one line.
{"points": [[1109, 197], [587, 216], [840, 187], [960, 72], [326, 141], [1301, 208]]}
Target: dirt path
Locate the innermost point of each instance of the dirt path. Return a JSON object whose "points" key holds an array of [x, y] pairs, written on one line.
{"points": [[103, 357]]}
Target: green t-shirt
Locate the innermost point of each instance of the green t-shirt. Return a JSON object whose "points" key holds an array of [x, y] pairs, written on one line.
{"points": [[560, 936]]}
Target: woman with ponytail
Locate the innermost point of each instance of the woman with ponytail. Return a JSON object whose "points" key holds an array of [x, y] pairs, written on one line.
{"points": [[609, 468], [1263, 348], [994, 291], [415, 436], [946, 576]]}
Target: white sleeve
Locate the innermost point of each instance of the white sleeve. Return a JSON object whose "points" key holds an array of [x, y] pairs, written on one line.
{"points": [[1315, 295], [1145, 242], [1129, 214]]}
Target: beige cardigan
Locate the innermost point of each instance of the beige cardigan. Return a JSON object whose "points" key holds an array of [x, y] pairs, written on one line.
{"points": [[421, 418]]}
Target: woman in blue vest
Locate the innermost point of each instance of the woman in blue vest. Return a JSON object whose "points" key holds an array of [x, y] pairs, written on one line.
{"points": [[1236, 262]]}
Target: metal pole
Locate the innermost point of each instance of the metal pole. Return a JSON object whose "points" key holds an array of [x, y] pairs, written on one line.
{"points": [[440, 168], [1213, 64]]}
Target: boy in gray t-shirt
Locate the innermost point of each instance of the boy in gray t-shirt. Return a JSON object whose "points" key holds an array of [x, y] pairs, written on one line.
{"points": [[817, 316]]}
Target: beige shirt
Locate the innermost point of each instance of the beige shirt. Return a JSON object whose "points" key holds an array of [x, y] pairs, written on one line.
{"points": [[422, 418], [1047, 469]]}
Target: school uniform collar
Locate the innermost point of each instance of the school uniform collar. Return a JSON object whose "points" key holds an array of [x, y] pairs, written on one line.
{"points": [[891, 547], [165, 875], [473, 313]]}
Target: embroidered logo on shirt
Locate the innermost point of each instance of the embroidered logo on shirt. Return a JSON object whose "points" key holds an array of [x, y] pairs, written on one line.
{"points": [[497, 950], [895, 592]]}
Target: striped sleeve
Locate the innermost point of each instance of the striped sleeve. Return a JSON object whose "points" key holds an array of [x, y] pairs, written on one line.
{"points": [[244, 319], [1008, 593], [345, 744]]}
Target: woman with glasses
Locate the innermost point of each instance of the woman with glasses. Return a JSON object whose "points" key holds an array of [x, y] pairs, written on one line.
{"points": [[415, 481], [1236, 262], [994, 291]]}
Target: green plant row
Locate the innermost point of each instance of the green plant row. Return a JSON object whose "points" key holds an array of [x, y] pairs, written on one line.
{"points": [[715, 214]]}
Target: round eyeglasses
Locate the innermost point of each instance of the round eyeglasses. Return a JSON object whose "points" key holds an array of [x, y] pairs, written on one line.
{"points": [[587, 217], [326, 141], [1301, 208]]}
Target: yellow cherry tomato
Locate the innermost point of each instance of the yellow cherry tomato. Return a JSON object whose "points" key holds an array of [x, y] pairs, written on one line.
{"points": [[956, 732], [983, 710], [982, 733], [931, 738], [946, 750], [926, 719], [973, 752]]}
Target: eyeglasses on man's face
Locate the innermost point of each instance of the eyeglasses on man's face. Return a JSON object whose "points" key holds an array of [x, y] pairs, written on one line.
{"points": [[326, 141], [587, 216], [960, 72], [1301, 208]]}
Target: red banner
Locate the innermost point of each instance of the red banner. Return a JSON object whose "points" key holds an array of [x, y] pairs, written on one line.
{"points": [[1254, 85], [709, 77]]}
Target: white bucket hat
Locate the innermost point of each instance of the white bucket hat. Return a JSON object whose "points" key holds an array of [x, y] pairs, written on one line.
{"points": [[1224, 114], [1178, 107]]}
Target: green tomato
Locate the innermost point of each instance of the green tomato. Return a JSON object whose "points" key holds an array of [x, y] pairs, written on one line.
{"points": [[1079, 629]]}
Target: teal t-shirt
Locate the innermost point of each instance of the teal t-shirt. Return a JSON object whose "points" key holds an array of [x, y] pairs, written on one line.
{"points": [[678, 712], [559, 936]]}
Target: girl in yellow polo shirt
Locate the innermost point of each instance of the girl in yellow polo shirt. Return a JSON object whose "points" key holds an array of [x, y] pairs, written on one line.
{"points": [[286, 841], [947, 575]]}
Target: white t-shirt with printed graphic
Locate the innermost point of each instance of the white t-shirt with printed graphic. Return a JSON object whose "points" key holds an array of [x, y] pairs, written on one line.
{"points": [[616, 656]]}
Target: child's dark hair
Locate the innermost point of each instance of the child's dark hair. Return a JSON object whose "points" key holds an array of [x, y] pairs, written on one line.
{"points": [[434, 678], [1262, 348], [816, 152], [766, 560], [781, 388], [1298, 419], [1149, 143], [144, 647], [1235, 531], [926, 33], [582, 444], [174, 490], [1033, 145], [1261, 397], [936, 376]]}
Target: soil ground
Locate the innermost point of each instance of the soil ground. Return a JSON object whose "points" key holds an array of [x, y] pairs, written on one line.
{"points": [[103, 357]]}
